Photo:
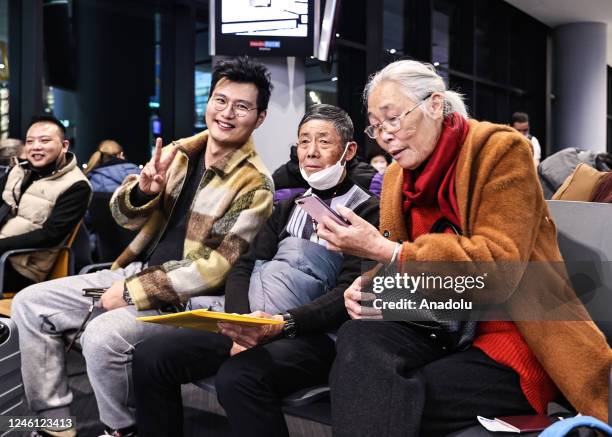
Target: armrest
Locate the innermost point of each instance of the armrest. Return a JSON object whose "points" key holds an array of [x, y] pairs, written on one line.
{"points": [[94, 268], [8, 253], [11, 252]]}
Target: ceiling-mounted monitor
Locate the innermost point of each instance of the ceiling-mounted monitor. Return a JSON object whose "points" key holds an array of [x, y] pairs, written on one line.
{"points": [[264, 27], [330, 16]]}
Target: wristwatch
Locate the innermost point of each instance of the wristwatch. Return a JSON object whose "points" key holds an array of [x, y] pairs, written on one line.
{"points": [[289, 328], [126, 295]]}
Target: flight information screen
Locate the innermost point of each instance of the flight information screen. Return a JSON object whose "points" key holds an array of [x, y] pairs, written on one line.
{"points": [[264, 27]]}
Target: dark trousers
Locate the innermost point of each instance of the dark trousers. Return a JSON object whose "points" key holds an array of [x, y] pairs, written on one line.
{"points": [[250, 385], [392, 379]]}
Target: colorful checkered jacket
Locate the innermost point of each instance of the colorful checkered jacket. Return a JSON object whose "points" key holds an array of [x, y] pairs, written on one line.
{"points": [[232, 202]]}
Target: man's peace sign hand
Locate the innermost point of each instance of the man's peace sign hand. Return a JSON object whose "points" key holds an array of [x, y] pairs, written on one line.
{"points": [[153, 176]]}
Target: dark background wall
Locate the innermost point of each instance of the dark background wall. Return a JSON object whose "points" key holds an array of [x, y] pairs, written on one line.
{"points": [[115, 74], [490, 51]]}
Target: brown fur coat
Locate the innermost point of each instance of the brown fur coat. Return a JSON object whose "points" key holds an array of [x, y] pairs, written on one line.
{"points": [[504, 217]]}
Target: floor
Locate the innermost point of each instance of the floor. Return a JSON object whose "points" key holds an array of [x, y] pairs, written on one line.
{"points": [[203, 414]]}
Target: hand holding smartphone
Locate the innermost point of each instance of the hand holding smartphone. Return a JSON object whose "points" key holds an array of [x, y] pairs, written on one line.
{"points": [[317, 209]]}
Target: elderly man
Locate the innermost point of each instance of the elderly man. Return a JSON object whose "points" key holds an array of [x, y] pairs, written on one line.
{"points": [[198, 205], [43, 199], [288, 274]]}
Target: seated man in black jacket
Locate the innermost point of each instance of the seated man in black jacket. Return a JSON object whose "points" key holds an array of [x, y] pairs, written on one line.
{"points": [[43, 199], [287, 274]]}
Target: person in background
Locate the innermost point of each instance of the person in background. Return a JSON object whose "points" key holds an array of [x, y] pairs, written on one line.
{"points": [[9, 148], [379, 162], [520, 122], [107, 167], [106, 170], [43, 198]]}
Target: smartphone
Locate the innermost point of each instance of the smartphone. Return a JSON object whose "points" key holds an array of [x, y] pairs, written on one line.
{"points": [[317, 209], [93, 292]]}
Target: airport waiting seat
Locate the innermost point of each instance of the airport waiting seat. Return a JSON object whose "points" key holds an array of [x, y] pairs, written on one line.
{"points": [[297, 399], [310, 403], [585, 241], [80, 249], [90, 268], [64, 264], [5, 307], [11, 387]]}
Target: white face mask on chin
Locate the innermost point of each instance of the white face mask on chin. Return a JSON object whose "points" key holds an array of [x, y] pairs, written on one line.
{"points": [[328, 177]]}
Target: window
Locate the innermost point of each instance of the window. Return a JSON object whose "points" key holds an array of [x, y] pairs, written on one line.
{"points": [[491, 40], [499, 71], [321, 81], [203, 77], [203, 73], [393, 29], [4, 70]]}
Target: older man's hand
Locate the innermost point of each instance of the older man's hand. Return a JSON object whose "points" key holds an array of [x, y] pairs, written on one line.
{"points": [[360, 238], [250, 336], [236, 349]]}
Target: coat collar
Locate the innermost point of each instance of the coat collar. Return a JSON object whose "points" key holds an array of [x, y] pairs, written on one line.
{"points": [[224, 166], [479, 134], [394, 224]]}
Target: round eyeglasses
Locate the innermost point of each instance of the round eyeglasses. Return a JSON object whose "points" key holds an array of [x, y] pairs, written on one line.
{"points": [[390, 125], [240, 109]]}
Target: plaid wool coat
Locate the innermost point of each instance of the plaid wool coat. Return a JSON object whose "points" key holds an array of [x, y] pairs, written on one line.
{"points": [[231, 203]]}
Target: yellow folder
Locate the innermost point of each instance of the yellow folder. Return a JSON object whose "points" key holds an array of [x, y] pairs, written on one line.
{"points": [[207, 320]]}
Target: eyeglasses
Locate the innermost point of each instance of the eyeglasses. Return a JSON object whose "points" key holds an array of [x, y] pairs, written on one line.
{"points": [[240, 109], [390, 125]]}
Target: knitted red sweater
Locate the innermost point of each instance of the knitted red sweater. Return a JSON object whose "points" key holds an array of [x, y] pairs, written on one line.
{"points": [[499, 340], [504, 343]]}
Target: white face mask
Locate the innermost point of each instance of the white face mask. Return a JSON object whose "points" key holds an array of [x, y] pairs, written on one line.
{"points": [[328, 177]]}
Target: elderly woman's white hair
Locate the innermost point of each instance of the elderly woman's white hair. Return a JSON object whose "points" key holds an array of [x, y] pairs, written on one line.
{"points": [[419, 80]]}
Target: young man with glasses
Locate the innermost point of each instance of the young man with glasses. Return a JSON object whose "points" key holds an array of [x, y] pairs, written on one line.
{"points": [[198, 204]]}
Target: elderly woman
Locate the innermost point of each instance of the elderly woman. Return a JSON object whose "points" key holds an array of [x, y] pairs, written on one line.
{"points": [[477, 178]]}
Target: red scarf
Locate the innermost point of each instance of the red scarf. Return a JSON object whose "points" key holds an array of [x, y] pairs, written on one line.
{"points": [[434, 181]]}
